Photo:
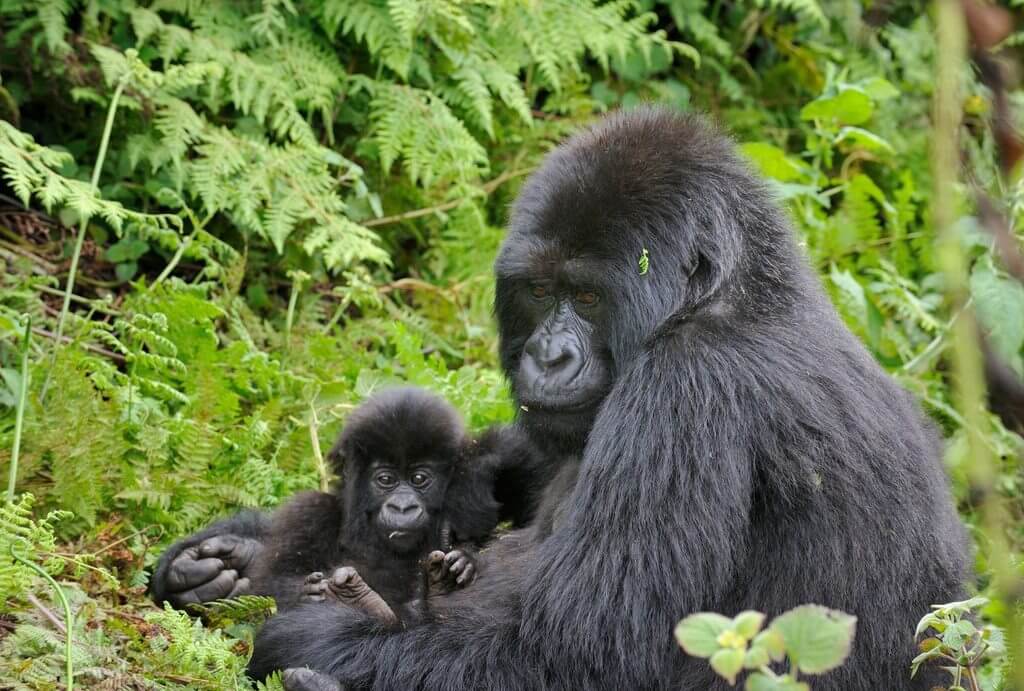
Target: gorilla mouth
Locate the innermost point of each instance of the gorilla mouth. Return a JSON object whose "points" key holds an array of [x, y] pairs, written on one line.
{"points": [[565, 406]]}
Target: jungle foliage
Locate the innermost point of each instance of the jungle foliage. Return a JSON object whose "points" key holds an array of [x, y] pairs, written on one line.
{"points": [[298, 202]]}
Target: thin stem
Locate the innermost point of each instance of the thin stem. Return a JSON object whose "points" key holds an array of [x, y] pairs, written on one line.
{"points": [[338, 313], [183, 245], [173, 264], [968, 373], [98, 305], [487, 187], [19, 417], [69, 672], [314, 440], [298, 278], [973, 678], [80, 238]]}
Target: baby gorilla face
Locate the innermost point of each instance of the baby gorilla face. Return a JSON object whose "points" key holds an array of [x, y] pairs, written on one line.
{"points": [[405, 502]]}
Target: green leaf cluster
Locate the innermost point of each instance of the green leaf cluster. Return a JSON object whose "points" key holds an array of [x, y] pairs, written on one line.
{"points": [[814, 639]]}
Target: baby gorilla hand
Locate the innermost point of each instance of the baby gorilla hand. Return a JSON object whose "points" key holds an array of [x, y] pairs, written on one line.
{"points": [[314, 588], [347, 587], [447, 572]]}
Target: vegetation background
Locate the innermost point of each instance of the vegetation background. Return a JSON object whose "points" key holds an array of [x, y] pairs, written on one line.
{"points": [[287, 204]]}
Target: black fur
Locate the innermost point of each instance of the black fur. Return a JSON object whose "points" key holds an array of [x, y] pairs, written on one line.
{"points": [[316, 531], [749, 454]]}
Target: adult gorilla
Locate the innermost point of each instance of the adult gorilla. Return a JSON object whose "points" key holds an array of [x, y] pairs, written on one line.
{"points": [[739, 447]]}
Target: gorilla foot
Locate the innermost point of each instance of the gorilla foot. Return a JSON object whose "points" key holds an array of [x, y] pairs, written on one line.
{"points": [[348, 587]]}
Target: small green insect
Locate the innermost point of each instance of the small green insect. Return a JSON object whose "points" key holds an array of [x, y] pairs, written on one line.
{"points": [[645, 262]]}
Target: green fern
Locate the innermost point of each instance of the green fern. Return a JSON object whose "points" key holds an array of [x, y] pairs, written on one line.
{"points": [[806, 8], [33, 539], [249, 609]]}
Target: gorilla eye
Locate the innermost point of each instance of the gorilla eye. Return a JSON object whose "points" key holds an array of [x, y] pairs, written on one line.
{"points": [[586, 297], [386, 480], [539, 291], [420, 479]]}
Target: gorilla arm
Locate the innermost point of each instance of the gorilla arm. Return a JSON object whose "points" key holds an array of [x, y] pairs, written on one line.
{"points": [[214, 563], [651, 533]]}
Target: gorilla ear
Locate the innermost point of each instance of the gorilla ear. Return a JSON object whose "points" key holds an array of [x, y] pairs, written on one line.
{"points": [[337, 456], [703, 279]]}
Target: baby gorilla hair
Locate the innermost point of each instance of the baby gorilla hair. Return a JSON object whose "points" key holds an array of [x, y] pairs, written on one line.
{"points": [[412, 483]]}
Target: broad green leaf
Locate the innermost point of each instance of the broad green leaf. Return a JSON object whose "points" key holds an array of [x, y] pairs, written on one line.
{"points": [[126, 271], [772, 643], [930, 620], [127, 250], [1000, 304], [878, 89], [860, 137], [748, 623], [817, 639], [762, 682], [698, 633], [727, 663], [931, 654], [756, 658], [849, 107], [773, 161]]}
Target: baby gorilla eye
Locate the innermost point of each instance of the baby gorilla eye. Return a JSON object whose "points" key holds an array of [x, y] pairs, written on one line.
{"points": [[539, 291], [386, 480], [587, 297], [420, 479]]}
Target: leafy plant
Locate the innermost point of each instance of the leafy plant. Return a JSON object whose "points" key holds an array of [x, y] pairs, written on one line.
{"points": [[950, 637], [812, 638]]}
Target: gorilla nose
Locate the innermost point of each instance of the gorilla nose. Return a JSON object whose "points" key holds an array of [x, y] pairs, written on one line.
{"points": [[405, 509], [554, 358]]}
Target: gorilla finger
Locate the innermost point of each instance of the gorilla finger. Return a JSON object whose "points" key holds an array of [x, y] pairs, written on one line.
{"points": [[453, 556], [315, 588], [242, 587], [459, 565], [467, 575], [180, 600], [220, 545], [343, 575], [315, 577], [236, 551], [218, 588], [187, 573], [435, 571]]}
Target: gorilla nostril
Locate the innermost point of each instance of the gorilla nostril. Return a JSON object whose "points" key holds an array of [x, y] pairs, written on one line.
{"points": [[404, 508], [560, 359]]}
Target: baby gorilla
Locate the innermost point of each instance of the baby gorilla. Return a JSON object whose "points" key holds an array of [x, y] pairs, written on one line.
{"points": [[412, 482]]}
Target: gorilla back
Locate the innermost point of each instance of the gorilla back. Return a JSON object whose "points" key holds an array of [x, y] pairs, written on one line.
{"points": [[739, 448]]}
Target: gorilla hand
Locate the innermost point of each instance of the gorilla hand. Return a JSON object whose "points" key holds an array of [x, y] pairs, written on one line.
{"points": [[314, 588], [304, 679], [449, 571], [215, 568]]}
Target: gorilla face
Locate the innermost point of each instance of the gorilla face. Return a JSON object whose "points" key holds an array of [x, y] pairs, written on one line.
{"points": [[396, 456], [562, 370], [403, 501]]}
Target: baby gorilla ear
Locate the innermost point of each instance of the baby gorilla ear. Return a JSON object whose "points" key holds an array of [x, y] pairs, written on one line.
{"points": [[470, 509], [336, 457]]}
